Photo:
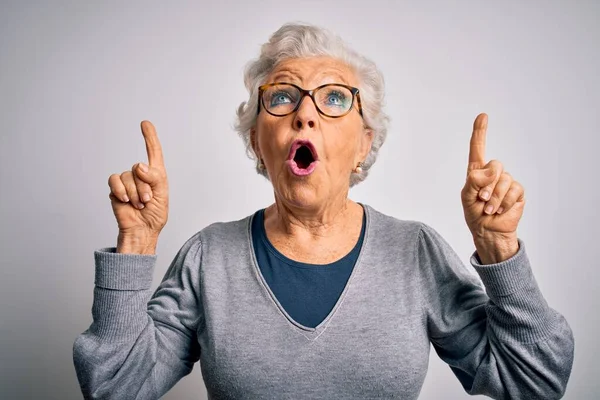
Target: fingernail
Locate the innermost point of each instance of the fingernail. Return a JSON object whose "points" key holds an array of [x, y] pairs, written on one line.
{"points": [[125, 199], [500, 210], [143, 167], [146, 197], [141, 205], [485, 195], [489, 209]]}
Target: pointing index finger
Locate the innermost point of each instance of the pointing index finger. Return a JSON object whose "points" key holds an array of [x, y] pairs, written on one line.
{"points": [[153, 147], [477, 147]]}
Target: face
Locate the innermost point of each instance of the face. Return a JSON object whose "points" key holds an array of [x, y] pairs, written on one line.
{"points": [[309, 157]]}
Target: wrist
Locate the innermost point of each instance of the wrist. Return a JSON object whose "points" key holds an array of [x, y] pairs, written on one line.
{"points": [[496, 250], [137, 243]]}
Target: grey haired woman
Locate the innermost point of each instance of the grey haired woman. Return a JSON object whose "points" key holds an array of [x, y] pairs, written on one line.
{"points": [[317, 296]]}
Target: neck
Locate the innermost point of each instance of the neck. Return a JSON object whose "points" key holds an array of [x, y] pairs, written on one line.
{"points": [[320, 221]]}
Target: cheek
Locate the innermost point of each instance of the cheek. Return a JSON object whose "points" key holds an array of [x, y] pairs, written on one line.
{"points": [[341, 145], [271, 137]]}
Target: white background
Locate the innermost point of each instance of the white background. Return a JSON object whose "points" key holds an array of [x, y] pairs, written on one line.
{"points": [[76, 80]]}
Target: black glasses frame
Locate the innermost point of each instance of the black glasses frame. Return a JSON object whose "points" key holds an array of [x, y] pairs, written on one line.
{"points": [[309, 93]]}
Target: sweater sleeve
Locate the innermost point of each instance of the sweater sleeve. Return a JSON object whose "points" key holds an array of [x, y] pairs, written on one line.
{"points": [[505, 341], [138, 347]]}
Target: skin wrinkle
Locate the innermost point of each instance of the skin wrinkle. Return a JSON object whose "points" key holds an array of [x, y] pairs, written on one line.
{"points": [[312, 219], [287, 74]]}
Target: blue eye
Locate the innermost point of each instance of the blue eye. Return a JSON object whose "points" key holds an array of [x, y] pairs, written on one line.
{"points": [[335, 98], [281, 97]]}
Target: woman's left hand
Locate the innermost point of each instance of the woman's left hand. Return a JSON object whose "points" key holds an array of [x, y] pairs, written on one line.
{"points": [[492, 201]]}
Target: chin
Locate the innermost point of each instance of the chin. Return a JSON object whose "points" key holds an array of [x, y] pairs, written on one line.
{"points": [[301, 193]]}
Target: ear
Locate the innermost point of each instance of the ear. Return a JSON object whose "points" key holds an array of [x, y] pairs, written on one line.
{"points": [[366, 140], [254, 142]]}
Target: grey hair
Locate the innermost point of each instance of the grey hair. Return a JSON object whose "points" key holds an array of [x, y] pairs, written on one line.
{"points": [[295, 40]]}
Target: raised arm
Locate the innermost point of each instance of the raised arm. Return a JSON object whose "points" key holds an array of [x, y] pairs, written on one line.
{"points": [[137, 348], [506, 343]]}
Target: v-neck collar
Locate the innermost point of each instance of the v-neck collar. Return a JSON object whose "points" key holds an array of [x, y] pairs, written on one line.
{"points": [[308, 332], [262, 233]]}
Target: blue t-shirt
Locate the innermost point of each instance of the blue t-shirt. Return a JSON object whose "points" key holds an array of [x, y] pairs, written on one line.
{"points": [[307, 292]]}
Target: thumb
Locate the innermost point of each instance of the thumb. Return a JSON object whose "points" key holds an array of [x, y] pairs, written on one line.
{"points": [[155, 177]]}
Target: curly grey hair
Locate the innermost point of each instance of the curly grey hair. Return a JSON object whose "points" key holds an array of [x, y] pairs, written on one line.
{"points": [[295, 40]]}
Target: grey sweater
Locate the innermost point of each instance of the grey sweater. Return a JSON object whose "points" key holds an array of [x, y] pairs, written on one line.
{"points": [[407, 290]]}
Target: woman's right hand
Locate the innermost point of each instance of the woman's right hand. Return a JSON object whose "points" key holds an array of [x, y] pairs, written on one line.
{"points": [[140, 199]]}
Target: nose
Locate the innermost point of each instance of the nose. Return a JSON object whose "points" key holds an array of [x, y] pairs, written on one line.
{"points": [[306, 115]]}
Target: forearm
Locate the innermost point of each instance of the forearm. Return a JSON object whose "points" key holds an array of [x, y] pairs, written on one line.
{"points": [[116, 346], [530, 341], [136, 348], [504, 341], [133, 350], [121, 293]]}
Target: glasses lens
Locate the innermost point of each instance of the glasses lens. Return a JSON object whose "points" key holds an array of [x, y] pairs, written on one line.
{"points": [[280, 99], [334, 100]]}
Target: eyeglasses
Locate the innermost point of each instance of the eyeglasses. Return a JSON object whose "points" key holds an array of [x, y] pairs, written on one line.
{"points": [[332, 100]]}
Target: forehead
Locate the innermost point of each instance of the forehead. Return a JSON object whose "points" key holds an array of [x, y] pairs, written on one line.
{"points": [[311, 72]]}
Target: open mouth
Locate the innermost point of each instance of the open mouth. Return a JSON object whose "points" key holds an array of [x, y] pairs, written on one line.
{"points": [[302, 158]]}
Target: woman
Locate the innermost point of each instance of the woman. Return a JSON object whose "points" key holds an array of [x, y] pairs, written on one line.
{"points": [[318, 296]]}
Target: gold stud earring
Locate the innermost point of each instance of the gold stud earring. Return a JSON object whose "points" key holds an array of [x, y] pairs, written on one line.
{"points": [[358, 169]]}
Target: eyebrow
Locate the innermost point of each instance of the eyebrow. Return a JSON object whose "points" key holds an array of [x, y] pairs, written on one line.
{"points": [[290, 75]]}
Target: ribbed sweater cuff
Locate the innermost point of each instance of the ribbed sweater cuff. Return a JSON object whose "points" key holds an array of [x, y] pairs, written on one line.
{"points": [[119, 314], [519, 310], [118, 271], [507, 277]]}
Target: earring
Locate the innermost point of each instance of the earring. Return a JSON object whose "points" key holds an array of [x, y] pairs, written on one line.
{"points": [[261, 164], [358, 169]]}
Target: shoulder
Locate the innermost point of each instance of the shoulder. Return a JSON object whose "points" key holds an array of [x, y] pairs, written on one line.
{"points": [[417, 237], [415, 245], [221, 233], [219, 239], [387, 226]]}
